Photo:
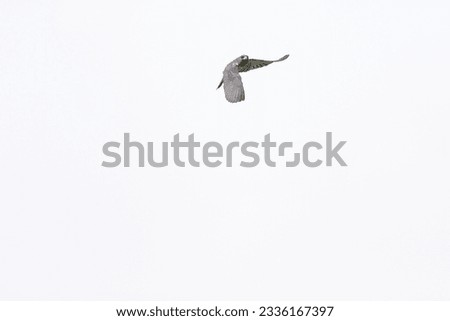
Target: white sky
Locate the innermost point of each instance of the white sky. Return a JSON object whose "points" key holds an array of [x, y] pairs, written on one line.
{"points": [[76, 74]]}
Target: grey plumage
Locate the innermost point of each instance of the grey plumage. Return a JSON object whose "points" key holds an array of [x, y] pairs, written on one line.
{"points": [[232, 82]]}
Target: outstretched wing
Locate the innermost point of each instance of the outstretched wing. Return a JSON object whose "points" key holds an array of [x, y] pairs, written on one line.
{"points": [[233, 86], [257, 63]]}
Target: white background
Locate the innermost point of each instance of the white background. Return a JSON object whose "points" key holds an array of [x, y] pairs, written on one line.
{"points": [[76, 74]]}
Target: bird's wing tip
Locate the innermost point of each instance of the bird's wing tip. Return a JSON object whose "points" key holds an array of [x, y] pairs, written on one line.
{"points": [[221, 82]]}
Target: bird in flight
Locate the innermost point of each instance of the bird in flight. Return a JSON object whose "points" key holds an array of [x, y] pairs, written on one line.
{"points": [[232, 82]]}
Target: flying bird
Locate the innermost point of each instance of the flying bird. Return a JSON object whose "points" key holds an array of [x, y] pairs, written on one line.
{"points": [[232, 82]]}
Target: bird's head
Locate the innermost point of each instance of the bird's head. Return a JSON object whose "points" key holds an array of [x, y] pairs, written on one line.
{"points": [[241, 61], [243, 58]]}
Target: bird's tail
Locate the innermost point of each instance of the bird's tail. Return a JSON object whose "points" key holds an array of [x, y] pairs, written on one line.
{"points": [[221, 82]]}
